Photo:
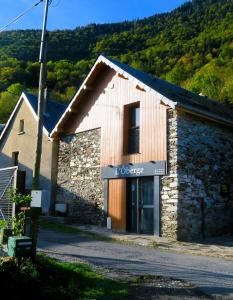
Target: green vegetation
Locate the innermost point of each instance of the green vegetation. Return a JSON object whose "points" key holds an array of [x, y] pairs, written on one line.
{"points": [[69, 229], [18, 223], [18, 199], [3, 224], [50, 279], [21, 202], [191, 46]]}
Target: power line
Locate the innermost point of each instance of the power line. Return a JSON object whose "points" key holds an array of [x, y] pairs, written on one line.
{"points": [[56, 4], [21, 15]]}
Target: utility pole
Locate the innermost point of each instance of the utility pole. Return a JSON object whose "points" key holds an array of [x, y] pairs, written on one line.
{"points": [[35, 211], [42, 85]]}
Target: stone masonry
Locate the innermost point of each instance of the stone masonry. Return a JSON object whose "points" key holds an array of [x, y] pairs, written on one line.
{"points": [[79, 179], [169, 183], [200, 167]]}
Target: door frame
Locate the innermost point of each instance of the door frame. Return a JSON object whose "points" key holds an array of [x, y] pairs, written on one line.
{"points": [[157, 207], [156, 203], [152, 168]]}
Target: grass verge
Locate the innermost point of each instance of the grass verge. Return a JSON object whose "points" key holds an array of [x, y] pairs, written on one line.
{"points": [[51, 279], [69, 229]]}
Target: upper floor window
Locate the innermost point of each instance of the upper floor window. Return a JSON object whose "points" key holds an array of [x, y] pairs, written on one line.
{"points": [[21, 126], [15, 158], [132, 128]]}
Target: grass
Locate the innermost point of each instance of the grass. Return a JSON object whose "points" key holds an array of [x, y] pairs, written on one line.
{"points": [[68, 229], [59, 227], [51, 279]]}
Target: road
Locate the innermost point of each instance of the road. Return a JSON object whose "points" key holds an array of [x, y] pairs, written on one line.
{"points": [[212, 276]]}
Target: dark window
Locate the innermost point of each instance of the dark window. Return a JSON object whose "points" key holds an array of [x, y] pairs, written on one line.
{"points": [[132, 128], [21, 126], [15, 158]]}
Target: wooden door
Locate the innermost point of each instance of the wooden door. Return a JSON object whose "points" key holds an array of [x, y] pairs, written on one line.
{"points": [[117, 204]]}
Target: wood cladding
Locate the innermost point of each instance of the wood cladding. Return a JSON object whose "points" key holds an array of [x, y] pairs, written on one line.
{"points": [[117, 204], [103, 107]]}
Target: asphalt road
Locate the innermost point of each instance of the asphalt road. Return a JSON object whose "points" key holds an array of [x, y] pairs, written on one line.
{"points": [[212, 276]]}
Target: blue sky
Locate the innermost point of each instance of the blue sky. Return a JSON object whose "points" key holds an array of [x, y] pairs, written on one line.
{"points": [[68, 14]]}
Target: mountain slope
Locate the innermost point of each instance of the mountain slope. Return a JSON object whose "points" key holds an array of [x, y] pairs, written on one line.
{"points": [[192, 46]]}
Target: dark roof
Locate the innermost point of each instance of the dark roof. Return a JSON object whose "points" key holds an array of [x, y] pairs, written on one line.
{"points": [[2, 127], [53, 112], [180, 96]]}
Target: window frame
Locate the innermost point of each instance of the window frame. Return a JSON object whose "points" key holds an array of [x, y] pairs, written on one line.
{"points": [[129, 127], [21, 126], [15, 158]]}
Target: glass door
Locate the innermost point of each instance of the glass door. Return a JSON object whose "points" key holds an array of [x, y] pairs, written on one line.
{"points": [[146, 204], [132, 207], [140, 205]]}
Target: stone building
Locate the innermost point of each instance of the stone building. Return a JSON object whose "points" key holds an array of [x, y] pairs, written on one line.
{"points": [[145, 155]]}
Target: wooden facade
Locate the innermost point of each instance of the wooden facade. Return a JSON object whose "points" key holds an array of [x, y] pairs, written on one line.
{"points": [[102, 105]]}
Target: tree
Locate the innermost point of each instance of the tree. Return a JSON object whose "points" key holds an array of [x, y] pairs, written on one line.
{"points": [[207, 84], [8, 100]]}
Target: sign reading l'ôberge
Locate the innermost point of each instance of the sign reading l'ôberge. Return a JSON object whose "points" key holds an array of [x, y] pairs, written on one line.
{"points": [[154, 168]]}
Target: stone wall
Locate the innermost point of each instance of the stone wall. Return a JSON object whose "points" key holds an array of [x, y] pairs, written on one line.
{"points": [[79, 179], [169, 183], [200, 162]]}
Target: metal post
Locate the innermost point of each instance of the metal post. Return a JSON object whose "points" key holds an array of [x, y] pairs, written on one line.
{"points": [[42, 84], [138, 207], [157, 207], [106, 191]]}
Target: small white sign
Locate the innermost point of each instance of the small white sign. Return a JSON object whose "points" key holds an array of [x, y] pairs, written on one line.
{"points": [[41, 199], [36, 199]]}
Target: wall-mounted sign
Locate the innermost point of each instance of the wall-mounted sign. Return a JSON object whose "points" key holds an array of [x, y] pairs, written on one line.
{"points": [[154, 168]]}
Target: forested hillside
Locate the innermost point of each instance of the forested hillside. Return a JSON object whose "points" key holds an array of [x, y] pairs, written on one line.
{"points": [[192, 47]]}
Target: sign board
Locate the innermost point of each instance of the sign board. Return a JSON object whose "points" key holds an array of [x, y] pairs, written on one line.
{"points": [[155, 168], [41, 199], [36, 198]]}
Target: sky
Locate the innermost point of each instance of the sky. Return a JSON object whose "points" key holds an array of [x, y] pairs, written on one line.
{"points": [[69, 14]]}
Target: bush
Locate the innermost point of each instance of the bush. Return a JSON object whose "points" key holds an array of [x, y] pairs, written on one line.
{"points": [[3, 224], [19, 199], [18, 221]]}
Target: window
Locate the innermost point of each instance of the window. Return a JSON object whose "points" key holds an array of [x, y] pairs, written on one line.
{"points": [[132, 128], [15, 158], [21, 126]]}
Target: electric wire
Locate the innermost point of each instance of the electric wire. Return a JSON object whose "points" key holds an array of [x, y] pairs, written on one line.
{"points": [[56, 4], [21, 15]]}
